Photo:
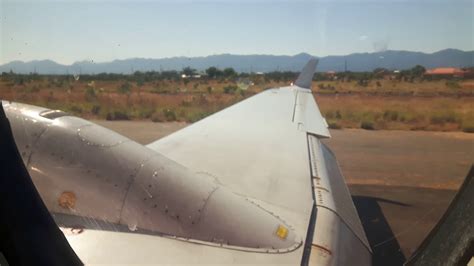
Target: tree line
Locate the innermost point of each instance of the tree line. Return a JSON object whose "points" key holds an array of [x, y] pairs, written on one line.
{"points": [[221, 74]]}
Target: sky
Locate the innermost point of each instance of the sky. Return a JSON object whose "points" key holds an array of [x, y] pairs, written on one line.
{"points": [[67, 31]]}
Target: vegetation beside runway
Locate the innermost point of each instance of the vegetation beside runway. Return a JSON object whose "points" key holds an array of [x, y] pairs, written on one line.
{"points": [[380, 99]]}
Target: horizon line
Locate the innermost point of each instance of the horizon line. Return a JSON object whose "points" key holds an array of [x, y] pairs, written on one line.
{"points": [[221, 54]]}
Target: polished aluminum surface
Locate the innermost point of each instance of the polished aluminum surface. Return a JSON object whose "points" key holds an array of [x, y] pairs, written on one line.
{"points": [[330, 189], [83, 169]]}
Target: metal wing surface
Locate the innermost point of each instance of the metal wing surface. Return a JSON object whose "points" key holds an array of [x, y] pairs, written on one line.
{"points": [[257, 148], [267, 148]]}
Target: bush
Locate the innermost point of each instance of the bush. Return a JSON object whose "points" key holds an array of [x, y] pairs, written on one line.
{"points": [[91, 93], [157, 117], [334, 125], [169, 115], [367, 125], [145, 112], [363, 82], [468, 127], [159, 90], [75, 109], [329, 114], [230, 89], [390, 115], [95, 109], [452, 84], [441, 118], [117, 115]]}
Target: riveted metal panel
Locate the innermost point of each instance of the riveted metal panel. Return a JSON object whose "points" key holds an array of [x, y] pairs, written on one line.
{"points": [[96, 176], [26, 127], [88, 171], [254, 149], [168, 198], [330, 188], [165, 197], [335, 244]]}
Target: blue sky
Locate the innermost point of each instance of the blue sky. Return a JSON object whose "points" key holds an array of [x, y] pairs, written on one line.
{"points": [[68, 31]]}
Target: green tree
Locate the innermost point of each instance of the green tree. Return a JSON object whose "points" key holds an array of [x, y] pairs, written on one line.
{"points": [[229, 72], [214, 72], [188, 71], [418, 71]]}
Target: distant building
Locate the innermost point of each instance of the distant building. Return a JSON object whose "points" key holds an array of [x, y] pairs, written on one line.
{"points": [[331, 75], [195, 76], [446, 72]]}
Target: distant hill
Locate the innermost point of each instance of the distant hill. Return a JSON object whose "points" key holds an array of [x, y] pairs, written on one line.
{"points": [[256, 63]]}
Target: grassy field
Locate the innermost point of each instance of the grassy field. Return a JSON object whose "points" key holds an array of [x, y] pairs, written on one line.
{"points": [[441, 105]]}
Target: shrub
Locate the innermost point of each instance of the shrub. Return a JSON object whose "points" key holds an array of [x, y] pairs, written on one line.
{"points": [[95, 109], [90, 93], [452, 84], [329, 114], [231, 89], [390, 115], [117, 115], [157, 117], [160, 90], [441, 118], [334, 125], [192, 117], [145, 112], [367, 125], [170, 115], [363, 82], [467, 126], [74, 109]]}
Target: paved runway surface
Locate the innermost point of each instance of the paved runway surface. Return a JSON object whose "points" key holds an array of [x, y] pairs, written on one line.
{"points": [[401, 181]]}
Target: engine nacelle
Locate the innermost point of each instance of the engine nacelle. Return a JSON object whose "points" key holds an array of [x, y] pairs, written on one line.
{"points": [[85, 170]]}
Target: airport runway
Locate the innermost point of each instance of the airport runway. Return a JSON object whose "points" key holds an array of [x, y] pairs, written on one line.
{"points": [[401, 181]]}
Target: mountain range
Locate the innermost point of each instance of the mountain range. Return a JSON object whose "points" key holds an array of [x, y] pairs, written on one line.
{"points": [[255, 63]]}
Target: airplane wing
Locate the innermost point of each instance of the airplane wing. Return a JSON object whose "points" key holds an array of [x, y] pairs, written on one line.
{"points": [[268, 149], [258, 147], [252, 184]]}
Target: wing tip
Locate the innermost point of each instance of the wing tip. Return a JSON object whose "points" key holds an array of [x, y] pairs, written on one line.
{"points": [[305, 78]]}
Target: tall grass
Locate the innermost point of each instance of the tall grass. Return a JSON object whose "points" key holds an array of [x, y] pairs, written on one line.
{"points": [[406, 113], [381, 104]]}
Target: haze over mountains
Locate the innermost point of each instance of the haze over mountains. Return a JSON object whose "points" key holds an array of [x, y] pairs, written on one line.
{"points": [[255, 63]]}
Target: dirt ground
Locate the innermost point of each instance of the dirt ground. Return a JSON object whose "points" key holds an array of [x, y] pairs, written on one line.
{"points": [[404, 158], [401, 181]]}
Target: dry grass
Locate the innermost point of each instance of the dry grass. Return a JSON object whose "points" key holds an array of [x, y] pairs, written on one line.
{"points": [[381, 104], [402, 113]]}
